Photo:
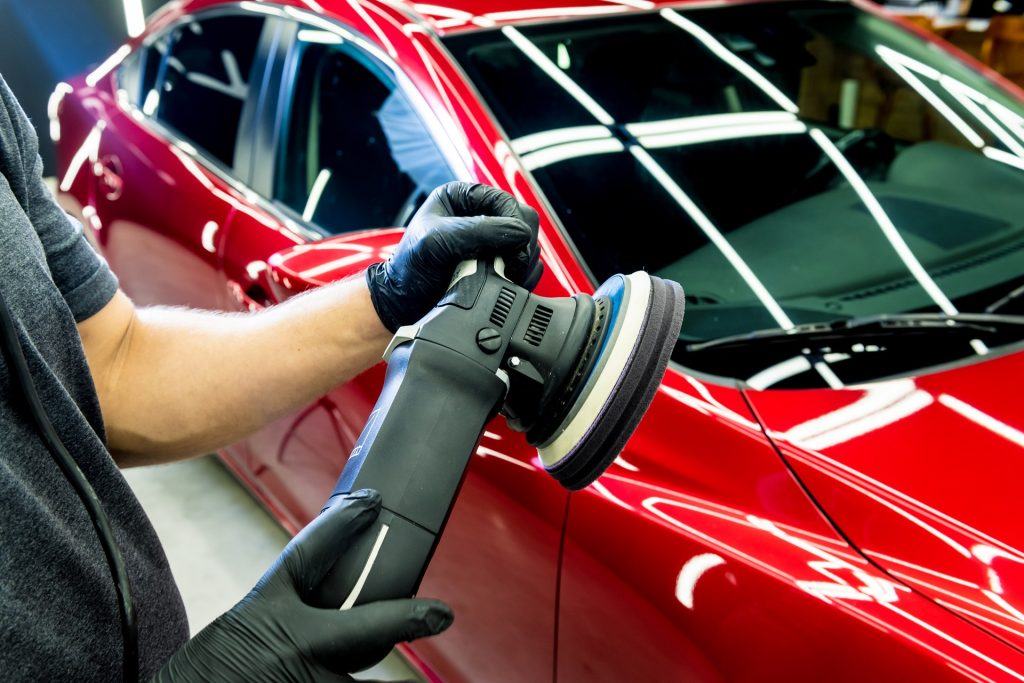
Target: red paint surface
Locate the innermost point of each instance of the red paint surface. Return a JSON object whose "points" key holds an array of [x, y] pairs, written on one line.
{"points": [[699, 555]]}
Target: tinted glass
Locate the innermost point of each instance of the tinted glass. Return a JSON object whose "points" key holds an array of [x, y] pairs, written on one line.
{"points": [[205, 82], [787, 163], [355, 154]]}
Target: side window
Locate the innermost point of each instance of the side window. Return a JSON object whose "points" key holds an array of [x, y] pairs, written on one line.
{"points": [[355, 155], [205, 81]]}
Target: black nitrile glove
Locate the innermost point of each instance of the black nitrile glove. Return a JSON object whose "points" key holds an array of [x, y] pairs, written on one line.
{"points": [[457, 222], [272, 635]]}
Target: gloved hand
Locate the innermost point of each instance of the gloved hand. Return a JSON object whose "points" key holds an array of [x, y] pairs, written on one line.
{"points": [[273, 636], [457, 222]]}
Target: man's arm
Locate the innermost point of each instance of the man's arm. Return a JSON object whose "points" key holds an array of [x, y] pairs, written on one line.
{"points": [[174, 383]]}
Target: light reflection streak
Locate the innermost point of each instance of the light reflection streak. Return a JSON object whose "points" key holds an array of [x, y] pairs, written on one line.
{"points": [[320, 37], [884, 223], [485, 452], [902, 65], [315, 194], [535, 55], [695, 567], [336, 264], [87, 151], [983, 419], [717, 134], [1004, 157], [551, 12], [134, 17], [209, 236], [950, 639], [556, 136], [603, 491], [53, 108], [570, 150], [730, 58], [714, 235], [676, 125], [374, 26], [972, 100], [779, 372], [104, 69]]}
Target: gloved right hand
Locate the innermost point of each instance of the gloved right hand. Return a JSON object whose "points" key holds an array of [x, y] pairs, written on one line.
{"points": [[457, 222], [273, 635]]}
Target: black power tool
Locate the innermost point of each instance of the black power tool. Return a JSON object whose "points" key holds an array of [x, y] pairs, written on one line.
{"points": [[575, 374]]}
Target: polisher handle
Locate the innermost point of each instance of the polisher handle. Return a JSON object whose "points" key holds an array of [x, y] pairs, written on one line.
{"points": [[414, 449]]}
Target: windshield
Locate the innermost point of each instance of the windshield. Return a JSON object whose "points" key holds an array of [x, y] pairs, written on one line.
{"points": [[787, 163]]}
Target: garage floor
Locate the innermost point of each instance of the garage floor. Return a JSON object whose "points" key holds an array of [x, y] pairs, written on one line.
{"points": [[218, 539]]}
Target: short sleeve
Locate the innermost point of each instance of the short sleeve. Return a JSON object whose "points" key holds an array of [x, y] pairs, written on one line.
{"points": [[82, 276]]}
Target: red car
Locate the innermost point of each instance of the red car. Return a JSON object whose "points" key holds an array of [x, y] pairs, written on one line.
{"points": [[828, 484]]}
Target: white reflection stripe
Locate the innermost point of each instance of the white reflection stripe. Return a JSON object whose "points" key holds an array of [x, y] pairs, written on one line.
{"points": [[730, 58], [896, 63], [547, 12], [695, 567], [883, 221], [967, 96], [693, 137], [716, 237], [257, 7], [708, 121], [983, 419], [315, 194], [307, 35], [330, 266], [828, 375], [639, 4], [545, 138], [945, 636], [557, 75], [361, 581], [771, 376], [107, 66], [1004, 157], [88, 150], [134, 17], [570, 150]]}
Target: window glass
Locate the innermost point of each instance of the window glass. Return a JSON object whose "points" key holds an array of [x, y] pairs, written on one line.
{"points": [[355, 155], [788, 163], [205, 82]]}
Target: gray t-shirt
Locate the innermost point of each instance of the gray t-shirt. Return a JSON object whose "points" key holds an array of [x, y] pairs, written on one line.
{"points": [[58, 612]]}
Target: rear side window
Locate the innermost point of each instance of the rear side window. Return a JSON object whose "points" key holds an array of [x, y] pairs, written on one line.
{"points": [[355, 155], [204, 81]]}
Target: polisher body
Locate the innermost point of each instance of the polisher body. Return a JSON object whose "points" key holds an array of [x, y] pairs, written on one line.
{"points": [[492, 346]]}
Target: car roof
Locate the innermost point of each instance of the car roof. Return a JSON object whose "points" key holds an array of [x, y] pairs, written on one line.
{"points": [[457, 16]]}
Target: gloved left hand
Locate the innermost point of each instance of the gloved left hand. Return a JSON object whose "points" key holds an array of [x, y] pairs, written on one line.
{"points": [[458, 221], [272, 635]]}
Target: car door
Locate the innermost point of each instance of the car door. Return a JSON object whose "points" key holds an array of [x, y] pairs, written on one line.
{"points": [[351, 156], [165, 157]]}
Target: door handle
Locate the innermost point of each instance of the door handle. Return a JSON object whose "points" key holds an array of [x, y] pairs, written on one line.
{"points": [[110, 177]]}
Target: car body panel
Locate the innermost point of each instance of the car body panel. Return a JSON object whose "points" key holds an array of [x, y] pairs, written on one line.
{"points": [[699, 554], [924, 476]]}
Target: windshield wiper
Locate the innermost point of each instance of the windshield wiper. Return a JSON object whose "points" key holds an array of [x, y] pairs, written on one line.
{"points": [[875, 326]]}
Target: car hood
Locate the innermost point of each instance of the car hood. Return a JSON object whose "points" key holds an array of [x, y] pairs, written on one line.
{"points": [[924, 475]]}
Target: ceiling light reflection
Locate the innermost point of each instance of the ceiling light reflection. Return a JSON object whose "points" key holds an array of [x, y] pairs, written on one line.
{"points": [[713, 234], [695, 567], [884, 222], [730, 58], [535, 55]]}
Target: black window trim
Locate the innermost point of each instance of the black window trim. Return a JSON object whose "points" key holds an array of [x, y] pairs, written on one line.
{"points": [[231, 176], [275, 117]]}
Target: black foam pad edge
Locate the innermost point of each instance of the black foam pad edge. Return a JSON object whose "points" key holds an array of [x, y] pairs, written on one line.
{"points": [[633, 393]]}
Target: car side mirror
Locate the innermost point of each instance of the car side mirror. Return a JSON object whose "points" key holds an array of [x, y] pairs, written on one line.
{"points": [[306, 266]]}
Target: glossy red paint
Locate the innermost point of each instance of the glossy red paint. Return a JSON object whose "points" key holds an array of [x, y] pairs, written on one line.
{"points": [[923, 475], [699, 554]]}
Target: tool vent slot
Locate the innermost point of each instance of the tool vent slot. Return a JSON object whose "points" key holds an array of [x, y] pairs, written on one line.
{"points": [[506, 297], [538, 325]]}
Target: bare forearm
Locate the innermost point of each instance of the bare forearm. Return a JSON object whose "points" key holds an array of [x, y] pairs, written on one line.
{"points": [[184, 382]]}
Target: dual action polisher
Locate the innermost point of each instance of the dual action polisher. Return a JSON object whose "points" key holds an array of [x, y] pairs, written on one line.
{"points": [[574, 374]]}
